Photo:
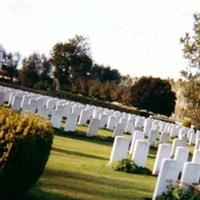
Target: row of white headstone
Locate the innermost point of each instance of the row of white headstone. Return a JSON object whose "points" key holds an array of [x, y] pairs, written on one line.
{"points": [[75, 113], [138, 147]]}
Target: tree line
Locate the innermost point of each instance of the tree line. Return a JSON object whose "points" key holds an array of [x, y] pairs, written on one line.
{"points": [[70, 67]]}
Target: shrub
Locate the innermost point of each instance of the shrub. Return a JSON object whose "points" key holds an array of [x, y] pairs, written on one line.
{"points": [[187, 122], [153, 94], [25, 144], [179, 192], [127, 165]]}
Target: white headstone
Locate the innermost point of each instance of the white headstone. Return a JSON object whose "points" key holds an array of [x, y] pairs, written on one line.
{"points": [[164, 151], [196, 156], [16, 102], [119, 130], [153, 137], [176, 142], [191, 173], [135, 136], [169, 171], [141, 152], [84, 116], [93, 127], [164, 137], [181, 156], [56, 119], [119, 149], [71, 122]]}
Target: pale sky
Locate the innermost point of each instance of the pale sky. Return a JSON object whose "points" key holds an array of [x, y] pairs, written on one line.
{"points": [[137, 37]]}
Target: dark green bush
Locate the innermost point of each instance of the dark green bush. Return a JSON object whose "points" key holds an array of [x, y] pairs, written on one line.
{"points": [[128, 165], [179, 192], [25, 144]]}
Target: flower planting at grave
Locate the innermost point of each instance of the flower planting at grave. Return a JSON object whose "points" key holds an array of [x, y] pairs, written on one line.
{"points": [[128, 166], [181, 192], [25, 144]]}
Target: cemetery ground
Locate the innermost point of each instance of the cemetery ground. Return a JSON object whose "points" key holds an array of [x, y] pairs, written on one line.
{"points": [[78, 169]]}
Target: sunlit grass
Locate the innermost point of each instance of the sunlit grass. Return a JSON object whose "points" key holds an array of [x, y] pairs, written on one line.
{"points": [[78, 169]]}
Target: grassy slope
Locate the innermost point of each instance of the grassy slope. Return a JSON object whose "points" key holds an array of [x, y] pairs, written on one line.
{"points": [[78, 169]]}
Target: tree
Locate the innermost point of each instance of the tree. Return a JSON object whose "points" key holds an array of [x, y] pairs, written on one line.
{"points": [[191, 85], [191, 51], [36, 70], [72, 59], [105, 73], [153, 94], [10, 63]]}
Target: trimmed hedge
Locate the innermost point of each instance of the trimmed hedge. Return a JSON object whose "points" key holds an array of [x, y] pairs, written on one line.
{"points": [[25, 144]]}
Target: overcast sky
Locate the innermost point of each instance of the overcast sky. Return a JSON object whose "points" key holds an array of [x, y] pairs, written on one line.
{"points": [[137, 37]]}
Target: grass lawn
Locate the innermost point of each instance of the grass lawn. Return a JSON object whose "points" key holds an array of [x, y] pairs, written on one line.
{"points": [[78, 169]]}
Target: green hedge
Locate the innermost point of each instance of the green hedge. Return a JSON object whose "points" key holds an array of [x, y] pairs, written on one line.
{"points": [[25, 144]]}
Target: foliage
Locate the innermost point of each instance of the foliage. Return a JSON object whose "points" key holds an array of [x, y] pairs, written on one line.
{"points": [[180, 192], [71, 60], [10, 63], [153, 94], [105, 73], [191, 85], [187, 122], [35, 68], [128, 165], [25, 144]]}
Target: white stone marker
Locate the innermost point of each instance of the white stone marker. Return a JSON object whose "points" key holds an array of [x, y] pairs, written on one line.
{"points": [[196, 156], [43, 112], [192, 138], [112, 120], [176, 142], [93, 127], [191, 173], [141, 152], [103, 120], [1, 98], [137, 135], [181, 155], [119, 130], [16, 102], [147, 126], [83, 117], [129, 126], [164, 137], [71, 123], [119, 149], [164, 151], [197, 145], [152, 137], [56, 119], [169, 171]]}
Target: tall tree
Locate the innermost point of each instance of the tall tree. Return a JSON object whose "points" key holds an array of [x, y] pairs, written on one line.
{"points": [[35, 69], [72, 59], [191, 85]]}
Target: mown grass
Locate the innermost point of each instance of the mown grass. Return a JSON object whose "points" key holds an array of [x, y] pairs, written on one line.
{"points": [[78, 169]]}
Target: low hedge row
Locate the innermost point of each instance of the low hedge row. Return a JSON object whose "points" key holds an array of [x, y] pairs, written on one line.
{"points": [[81, 99]]}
